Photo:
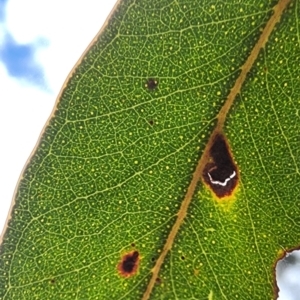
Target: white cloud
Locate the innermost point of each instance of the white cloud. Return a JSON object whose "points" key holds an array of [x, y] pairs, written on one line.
{"points": [[66, 26], [61, 31], [23, 112], [2, 33]]}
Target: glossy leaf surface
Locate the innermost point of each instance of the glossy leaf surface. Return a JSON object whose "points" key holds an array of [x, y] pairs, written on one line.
{"points": [[116, 159]]}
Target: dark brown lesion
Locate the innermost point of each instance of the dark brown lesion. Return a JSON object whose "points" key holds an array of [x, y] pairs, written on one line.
{"points": [[151, 84], [129, 263], [220, 172]]}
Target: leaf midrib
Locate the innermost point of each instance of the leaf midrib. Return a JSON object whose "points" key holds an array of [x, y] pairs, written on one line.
{"points": [[221, 118]]}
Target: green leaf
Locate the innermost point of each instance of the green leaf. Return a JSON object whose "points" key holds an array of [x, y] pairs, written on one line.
{"points": [[114, 199]]}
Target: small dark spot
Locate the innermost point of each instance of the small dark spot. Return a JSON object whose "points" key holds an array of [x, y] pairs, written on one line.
{"points": [[52, 281], [220, 172], [158, 280], [153, 259], [129, 264], [182, 257], [151, 84], [151, 122], [133, 245]]}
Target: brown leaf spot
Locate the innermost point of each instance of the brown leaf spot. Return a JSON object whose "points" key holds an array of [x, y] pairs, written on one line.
{"points": [[158, 280], [151, 84], [129, 264], [220, 172]]}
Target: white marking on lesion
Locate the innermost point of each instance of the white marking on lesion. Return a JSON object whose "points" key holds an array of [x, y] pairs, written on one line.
{"points": [[220, 182]]}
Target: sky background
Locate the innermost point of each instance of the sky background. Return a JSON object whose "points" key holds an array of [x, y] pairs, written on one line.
{"points": [[40, 42]]}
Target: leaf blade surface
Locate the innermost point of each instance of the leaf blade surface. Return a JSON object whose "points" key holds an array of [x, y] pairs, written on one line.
{"points": [[116, 158]]}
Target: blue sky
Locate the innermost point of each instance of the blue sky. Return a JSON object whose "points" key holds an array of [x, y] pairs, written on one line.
{"points": [[38, 48], [2, 9], [19, 60]]}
